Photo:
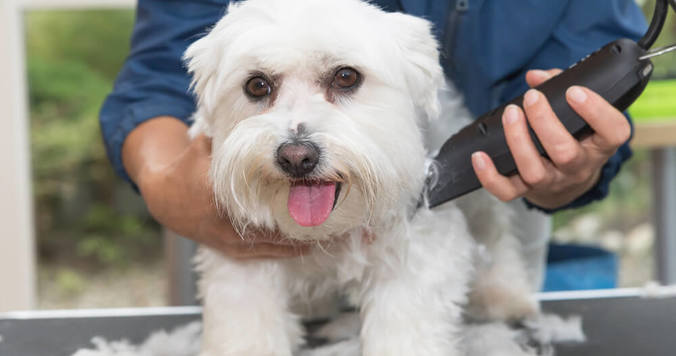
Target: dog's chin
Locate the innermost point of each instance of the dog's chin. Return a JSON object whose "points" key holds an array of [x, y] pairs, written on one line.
{"points": [[311, 202]]}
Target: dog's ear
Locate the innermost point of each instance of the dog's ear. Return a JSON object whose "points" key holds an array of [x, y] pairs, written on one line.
{"points": [[420, 56], [202, 60]]}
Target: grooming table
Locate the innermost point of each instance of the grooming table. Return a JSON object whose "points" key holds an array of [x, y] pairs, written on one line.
{"points": [[616, 322]]}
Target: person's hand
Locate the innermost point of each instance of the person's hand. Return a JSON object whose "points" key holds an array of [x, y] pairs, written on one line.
{"points": [[574, 166], [176, 189]]}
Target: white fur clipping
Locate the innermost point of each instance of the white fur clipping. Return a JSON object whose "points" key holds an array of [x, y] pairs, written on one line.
{"points": [[491, 339], [182, 341], [551, 328], [657, 291]]}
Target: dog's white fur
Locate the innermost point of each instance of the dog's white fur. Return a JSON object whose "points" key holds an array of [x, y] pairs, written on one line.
{"points": [[412, 280]]}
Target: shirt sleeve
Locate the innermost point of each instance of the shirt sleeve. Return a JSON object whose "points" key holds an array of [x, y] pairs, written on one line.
{"points": [[506, 39], [153, 80]]}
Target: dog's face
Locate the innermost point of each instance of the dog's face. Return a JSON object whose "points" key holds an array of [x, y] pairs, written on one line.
{"points": [[314, 107]]}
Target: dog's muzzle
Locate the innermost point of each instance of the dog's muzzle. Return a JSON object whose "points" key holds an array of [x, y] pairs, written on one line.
{"points": [[311, 199]]}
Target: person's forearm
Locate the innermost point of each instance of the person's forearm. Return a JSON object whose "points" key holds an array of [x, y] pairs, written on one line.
{"points": [[153, 145]]}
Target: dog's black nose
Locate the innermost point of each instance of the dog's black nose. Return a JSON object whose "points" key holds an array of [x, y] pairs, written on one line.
{"points": [[298, 159]]}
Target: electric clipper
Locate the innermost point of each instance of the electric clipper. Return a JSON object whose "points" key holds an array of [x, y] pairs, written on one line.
{"points": [[619, 72]]}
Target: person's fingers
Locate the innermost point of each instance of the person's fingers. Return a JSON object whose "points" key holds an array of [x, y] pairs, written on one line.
{"points": [[528, 161], [504, 188], [537, 77], [202, 143], [264, 250], [222, 227], [611, 127], [262, 236], [561, 147], [235, 246], [272, 237]]}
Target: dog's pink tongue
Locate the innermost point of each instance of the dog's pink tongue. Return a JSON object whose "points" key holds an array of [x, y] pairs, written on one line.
{"points": [[311, 204]]}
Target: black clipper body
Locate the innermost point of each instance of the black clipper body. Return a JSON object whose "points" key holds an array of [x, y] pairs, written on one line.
{"points": [[616, 72]]}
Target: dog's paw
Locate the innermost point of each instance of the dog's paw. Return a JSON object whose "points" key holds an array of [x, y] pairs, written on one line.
{"points": [[495, 339], [501, 302], [344, 327], [349, 347]]}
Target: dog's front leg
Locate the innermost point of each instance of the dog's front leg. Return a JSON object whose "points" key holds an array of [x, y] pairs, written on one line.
{"points": [[246, 308], [501, 289], [399, 323], [413, 303]]}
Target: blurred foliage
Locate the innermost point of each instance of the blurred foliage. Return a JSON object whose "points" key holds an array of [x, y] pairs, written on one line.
{"points": [[652, 106], [70, 282], [73, 58], [98, 39], [665, 66]]}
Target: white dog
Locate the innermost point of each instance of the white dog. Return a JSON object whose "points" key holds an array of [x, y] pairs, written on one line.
{"points": [[318, 111]]}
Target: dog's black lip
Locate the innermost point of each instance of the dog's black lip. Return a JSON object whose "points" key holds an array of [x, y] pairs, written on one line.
{"points": [[335, 199]]}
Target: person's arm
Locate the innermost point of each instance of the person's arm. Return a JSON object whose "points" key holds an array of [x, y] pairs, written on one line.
{"points": [[153, 81], [499, 42], [145, 120]]}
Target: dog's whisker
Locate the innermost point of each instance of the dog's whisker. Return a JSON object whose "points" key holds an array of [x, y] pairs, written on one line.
{"points": [[321, 248]]}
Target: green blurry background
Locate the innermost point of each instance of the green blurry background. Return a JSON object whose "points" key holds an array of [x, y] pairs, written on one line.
{"points": [[92, 229], [97, 244]]}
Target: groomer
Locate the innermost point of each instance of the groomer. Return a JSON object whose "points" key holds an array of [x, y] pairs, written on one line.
{"points": [[488, 48]]}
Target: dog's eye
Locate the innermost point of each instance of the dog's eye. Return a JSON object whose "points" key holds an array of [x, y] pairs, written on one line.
{"points": [[258, 87], [346, 78]]}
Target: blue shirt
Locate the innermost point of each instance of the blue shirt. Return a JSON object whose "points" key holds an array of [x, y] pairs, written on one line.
{"points": [[487, 47]]}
